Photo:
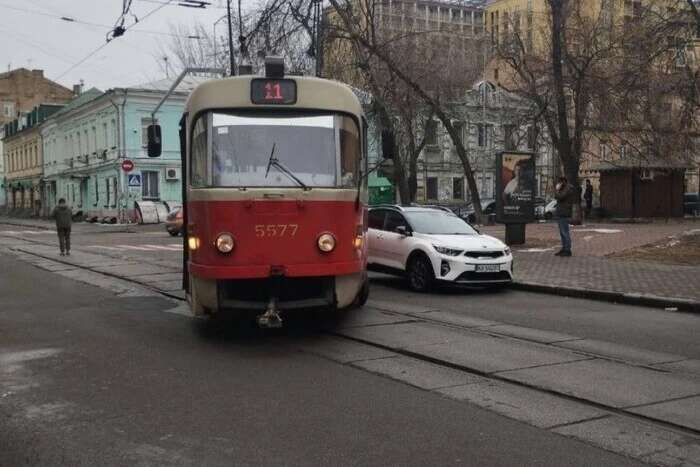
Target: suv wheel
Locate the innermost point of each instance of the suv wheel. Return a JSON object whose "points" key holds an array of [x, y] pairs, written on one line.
{"points": [[420, 273]]}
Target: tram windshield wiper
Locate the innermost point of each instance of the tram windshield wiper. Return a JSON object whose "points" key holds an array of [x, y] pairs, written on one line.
{"points": [[273, 161]]}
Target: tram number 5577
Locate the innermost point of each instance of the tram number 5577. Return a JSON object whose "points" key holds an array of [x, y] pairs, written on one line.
{"points": [[276, 230]]}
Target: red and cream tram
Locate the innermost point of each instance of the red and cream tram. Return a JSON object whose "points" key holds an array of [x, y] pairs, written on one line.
{"points": [[275, 195]]}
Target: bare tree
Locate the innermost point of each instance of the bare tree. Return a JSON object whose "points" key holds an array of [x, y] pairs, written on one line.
{"points": [[597, 71], [271, 27], [430, 65]]}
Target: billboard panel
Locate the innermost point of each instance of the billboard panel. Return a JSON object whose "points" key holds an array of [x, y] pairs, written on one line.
{"points": [[515, 187]]}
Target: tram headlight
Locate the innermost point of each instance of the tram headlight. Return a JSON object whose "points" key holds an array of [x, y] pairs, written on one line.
{"points": [[192, 242], [225, 243], [326, 242]]}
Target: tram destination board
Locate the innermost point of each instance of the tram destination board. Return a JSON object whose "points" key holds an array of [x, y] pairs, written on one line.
{"points": [[273, 91]]}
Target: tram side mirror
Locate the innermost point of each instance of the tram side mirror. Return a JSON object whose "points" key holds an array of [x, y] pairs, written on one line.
{"points": [[154, 141], [388, 144]]}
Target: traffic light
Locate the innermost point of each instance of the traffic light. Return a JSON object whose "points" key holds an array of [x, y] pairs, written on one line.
{"points": [[154, 141]]}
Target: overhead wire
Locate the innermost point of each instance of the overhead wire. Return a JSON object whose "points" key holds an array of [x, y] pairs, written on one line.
{"points": [[70, 19], [88, 56]]}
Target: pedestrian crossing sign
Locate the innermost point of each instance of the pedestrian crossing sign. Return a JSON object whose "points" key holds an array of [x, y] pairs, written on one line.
{"points": [[134, 180]]}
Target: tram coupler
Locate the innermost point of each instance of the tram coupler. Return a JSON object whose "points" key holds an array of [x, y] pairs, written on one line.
{"points": [[271, 318]]}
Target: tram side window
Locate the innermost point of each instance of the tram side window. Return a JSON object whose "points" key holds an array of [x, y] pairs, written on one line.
{"points": [[198, 153], [349, 152]]}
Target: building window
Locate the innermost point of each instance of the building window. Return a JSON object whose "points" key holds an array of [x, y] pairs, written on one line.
{"points": [[108, 186], [97, 192], [8, 109], [149, 184], [113, 141], [483, 135], [531, 137], [510, 137], [105, 136], [114, 192], [458, 188], [145, 123], [432, 188], [431, 132], [459, 128]]}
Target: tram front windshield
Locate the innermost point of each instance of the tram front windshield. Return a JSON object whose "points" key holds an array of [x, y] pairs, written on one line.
{"points": [[265, 149]]}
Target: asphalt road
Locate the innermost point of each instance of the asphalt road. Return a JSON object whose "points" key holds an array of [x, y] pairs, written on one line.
{"points": [[90, 378]]}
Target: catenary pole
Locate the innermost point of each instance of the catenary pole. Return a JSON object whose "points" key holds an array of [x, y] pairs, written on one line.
{"points": [[230, 36]]}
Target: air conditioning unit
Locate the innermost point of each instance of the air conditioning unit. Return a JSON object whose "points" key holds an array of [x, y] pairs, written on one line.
{"points": [[172, 173], [646, 174]]}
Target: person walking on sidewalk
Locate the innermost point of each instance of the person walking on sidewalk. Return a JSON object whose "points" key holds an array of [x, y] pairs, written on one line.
{"points": [[64, 218], [588, 197], [565, 195]]}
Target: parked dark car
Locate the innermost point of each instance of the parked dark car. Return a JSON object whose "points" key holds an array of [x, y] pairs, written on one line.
{"points": [[173, 222], [488, 207], [691, 204]]}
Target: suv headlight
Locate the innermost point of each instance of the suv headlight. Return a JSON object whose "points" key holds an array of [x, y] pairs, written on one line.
{"points": [[443, 250], [506, 251]]}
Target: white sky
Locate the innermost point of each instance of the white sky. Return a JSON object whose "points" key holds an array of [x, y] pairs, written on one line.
{"points": [[34, 38]]}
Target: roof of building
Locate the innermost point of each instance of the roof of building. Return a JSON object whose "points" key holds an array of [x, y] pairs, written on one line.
{"points": [[185, 86], [83, 98], [631, 163], [22, 70]]}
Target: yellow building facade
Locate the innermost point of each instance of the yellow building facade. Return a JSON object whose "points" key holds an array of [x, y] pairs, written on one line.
{"points": [[23, 161], [23, 169], [530, 20]]}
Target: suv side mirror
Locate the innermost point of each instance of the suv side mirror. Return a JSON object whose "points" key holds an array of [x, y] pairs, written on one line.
{"points": [[154, 141], [402, 230], [388, 144]]}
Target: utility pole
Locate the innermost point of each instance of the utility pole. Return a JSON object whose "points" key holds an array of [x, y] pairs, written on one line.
{"points": [[230, 36]]}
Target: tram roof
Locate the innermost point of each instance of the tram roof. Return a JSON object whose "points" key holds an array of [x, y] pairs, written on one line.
{"points": [[312, 93]]}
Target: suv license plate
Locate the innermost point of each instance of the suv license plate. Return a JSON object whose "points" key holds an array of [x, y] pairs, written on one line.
{"points": [[488, 267]]}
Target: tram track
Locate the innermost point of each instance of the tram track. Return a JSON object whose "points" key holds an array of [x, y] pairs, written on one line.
{"points": [[413, 317]]}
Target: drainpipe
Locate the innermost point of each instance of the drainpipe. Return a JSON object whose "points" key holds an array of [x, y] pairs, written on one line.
{"points": [[121, 154]]}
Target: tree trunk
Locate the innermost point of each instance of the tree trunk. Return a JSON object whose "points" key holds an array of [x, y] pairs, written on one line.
{"points": [[400, 181], [413, 177]]}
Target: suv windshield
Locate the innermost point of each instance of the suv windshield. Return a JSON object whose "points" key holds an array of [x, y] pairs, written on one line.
{"points": [[235, 149], [438, 223]]}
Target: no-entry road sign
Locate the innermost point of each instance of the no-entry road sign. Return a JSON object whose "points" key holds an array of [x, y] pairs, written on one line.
{"points": [[127, 165]]}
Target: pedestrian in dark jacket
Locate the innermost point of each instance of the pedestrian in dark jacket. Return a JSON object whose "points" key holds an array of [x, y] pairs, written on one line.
{"points": [[588, 197], [565, 195], [64, 219]]}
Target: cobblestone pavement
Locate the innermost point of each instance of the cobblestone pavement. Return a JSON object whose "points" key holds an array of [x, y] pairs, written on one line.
{"points": [[589, 269]]}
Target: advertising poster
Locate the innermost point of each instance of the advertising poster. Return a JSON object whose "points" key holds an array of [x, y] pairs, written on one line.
{"points": [[515, 187]]}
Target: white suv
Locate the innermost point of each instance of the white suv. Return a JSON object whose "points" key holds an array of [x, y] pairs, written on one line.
{"points": [[429, 244]]}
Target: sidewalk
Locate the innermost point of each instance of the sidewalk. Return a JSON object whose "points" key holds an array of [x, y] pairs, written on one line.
{"points": [[591, 273], [82, 227]]}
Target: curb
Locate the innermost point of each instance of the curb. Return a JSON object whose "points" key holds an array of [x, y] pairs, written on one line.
{"points": [[652, 301], [31, 226]]}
